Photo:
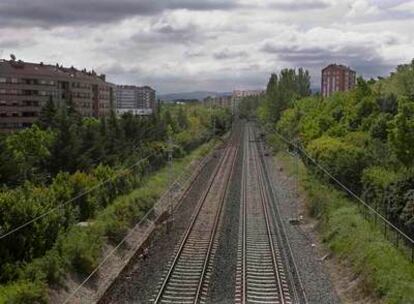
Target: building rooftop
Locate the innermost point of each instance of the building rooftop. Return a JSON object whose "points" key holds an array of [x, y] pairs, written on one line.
{"points": [[41, 69], [337, 66]]}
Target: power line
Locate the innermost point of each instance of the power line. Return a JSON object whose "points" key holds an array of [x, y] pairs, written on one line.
{"points": [[107, 257], [169, 206], [18, 228], [349, 191]]}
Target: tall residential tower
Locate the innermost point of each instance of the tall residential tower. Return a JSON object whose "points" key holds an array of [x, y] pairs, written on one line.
{"points": [[337, 78], [135, 100]]}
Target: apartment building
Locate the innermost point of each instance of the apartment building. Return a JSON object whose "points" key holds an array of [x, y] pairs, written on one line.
{"points": [[135, 100], [26, 87], [337, 78], [238, 95], [222, 101], [247, 93]]}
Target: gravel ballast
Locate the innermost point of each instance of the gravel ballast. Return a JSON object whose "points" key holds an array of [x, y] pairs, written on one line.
{"points": [[141, 278], [303, 240], [222, 286], [138, 282]]}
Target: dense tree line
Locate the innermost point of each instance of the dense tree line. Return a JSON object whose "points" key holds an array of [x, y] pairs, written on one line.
{"points": [[64, 156], [364, 137]]}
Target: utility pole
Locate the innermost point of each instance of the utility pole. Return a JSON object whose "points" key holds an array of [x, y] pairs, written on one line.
{"points": [[170, 201], [212, 118], [297, 158]]}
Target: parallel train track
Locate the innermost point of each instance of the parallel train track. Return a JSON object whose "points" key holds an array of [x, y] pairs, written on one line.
{"points": [[187, 277], [262, 276]]}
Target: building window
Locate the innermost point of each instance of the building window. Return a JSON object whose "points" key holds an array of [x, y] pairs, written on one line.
{"points": [[3, 80], [29, 114]]}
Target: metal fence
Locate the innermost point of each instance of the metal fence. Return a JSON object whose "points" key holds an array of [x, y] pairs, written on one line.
{"points": [[391, 232]]}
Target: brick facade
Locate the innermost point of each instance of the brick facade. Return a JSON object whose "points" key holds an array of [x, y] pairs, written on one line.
{"points": [[337, 78]]}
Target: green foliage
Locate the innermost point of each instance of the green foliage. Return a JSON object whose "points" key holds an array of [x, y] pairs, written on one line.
{"points": [[81, 247], [380, 177], [365, 138], [47, 115], [343, 160], [381, 267], [282, 90], [400, 83], [29, 149], [248, 106], [371, 125], [50, 268], [379, 127], [23, 292], [71, 237], [182, 119], [402, 133]]}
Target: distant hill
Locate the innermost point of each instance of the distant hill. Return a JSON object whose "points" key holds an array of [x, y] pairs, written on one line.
{"points": [[200, 95]]}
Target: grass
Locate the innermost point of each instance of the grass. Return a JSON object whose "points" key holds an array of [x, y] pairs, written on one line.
{"points": [[384, 270]]}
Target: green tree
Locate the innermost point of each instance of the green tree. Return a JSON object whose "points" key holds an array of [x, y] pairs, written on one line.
{"points": [[48, 115], [29, 149], [182, 119], [401, 135], [303, 83]]}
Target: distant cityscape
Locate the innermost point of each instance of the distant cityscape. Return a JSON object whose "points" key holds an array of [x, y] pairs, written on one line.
{"points": [[26, 87]]}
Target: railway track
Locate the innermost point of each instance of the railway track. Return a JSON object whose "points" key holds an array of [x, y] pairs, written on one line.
{"points": [[187, 277], [262, 275]]}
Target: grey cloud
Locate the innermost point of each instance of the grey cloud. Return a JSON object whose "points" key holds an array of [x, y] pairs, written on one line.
{"points": [[12, 43], [365, 60], [194, 53], [46, 13], [299, 5], [168, 34], [229, 54]]}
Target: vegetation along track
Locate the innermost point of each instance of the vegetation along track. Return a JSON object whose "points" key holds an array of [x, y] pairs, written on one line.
{"points": [[187, 277], [263, 273]]}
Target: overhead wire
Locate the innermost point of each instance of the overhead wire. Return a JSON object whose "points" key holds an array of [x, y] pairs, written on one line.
{"points": [[344, 187]]}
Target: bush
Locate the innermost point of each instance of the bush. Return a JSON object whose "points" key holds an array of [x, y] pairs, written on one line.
{"points": [[81, 248], [50, 268], [23, 292], [344, 161], [382, 268], [53, 246]]}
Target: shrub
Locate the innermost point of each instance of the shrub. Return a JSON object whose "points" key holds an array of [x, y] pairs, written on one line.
{"points": [[383, 268], [81, 247], [23, 292], [343, 160], [51, 268]]}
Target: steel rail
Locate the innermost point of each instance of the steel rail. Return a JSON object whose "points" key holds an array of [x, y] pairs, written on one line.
{"points": [[264, 203], [282, 230], [244, 220], [188, 231], [216, 223]]}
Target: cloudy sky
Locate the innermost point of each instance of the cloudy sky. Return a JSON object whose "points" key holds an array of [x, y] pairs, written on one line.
{"points": [[219, 45]]}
